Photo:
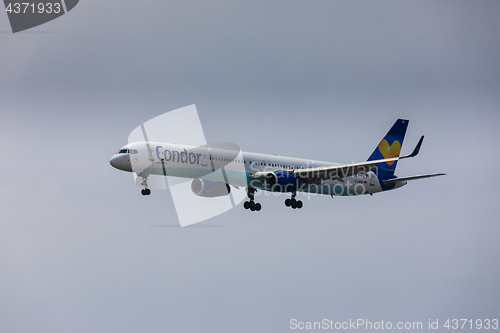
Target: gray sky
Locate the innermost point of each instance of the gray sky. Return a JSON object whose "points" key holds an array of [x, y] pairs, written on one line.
{"points": [[82, 251]]}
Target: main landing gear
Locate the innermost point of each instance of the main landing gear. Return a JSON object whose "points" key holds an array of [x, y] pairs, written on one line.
{"points": [[293, 203], [253, 206], [145, 190]]}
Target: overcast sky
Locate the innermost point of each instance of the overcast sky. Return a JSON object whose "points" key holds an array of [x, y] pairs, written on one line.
{"points": [[81, 250]]}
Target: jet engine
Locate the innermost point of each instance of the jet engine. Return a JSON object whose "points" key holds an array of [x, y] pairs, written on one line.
{"points": [[209, 188], [281, 182]]}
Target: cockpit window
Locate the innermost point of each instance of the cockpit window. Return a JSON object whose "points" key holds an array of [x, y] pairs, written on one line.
{"points": [[128, 151]]}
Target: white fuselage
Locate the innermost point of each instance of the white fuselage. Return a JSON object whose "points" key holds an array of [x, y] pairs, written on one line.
{"points": [[184, 161]]}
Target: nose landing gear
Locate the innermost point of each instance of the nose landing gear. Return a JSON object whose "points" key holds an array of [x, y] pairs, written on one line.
{"points": [[145, 190]]}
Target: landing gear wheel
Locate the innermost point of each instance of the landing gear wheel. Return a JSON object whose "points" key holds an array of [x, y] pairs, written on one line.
{"points": [[143, 192], [292, 202], [252, 206], [148, 191], [251, 203]]}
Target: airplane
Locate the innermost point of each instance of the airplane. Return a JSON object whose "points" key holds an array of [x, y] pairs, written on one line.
{"points": [[215, 168]]}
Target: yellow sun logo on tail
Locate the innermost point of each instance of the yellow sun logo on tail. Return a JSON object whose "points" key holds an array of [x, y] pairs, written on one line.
{"points": [[389, 151]]}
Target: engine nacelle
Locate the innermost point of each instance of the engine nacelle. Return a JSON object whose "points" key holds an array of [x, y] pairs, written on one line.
{"points": [[281, 182], [209, 188]]}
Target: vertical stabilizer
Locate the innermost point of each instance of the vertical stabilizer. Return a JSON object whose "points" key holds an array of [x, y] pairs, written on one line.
{"points": [[390, 146]]}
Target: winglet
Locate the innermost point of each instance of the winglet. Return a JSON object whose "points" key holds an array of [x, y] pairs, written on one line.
{"points": [[416, 150]]}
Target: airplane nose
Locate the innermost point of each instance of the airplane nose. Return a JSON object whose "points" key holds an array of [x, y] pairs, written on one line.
{"points": [[126, 165], [116, 161]]}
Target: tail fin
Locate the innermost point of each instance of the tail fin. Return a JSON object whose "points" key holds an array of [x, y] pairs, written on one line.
{"points": [[390, 146]]}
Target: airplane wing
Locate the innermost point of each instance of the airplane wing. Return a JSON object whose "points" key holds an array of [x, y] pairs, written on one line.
{"points": [[340, 172], [401, 179]]}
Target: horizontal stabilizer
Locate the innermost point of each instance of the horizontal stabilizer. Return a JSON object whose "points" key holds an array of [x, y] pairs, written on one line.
{"points": [[402, 179]]}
